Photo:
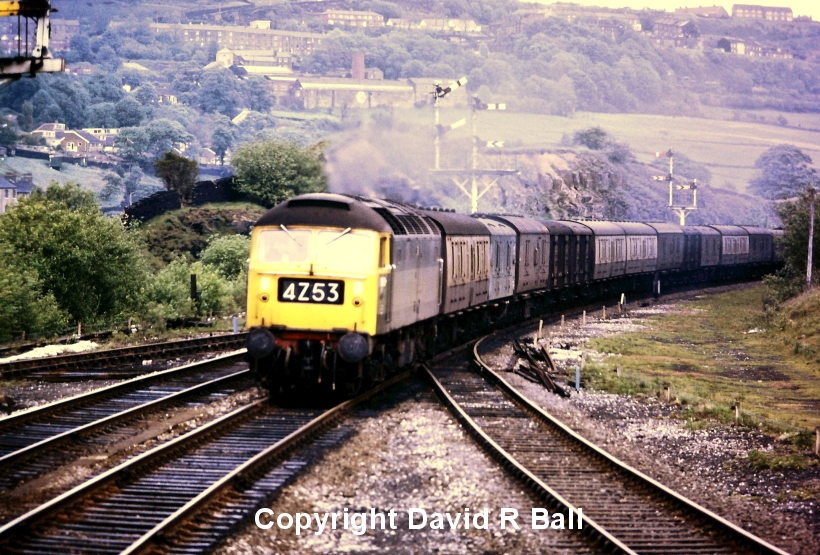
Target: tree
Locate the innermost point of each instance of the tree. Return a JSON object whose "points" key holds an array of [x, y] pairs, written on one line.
{"points": [[146, 95], [103, 114], [273, 171], [24, 308], [593, 138], [228, 255], [28, 116], [177, 173], [222, 141], [784, 173], [220, 92], [93, 267], [8, 136], [795, 242], [144, 145], [129, 112]]}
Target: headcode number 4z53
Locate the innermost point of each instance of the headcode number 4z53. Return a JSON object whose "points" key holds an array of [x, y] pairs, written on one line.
{"points": [[311, 291]]}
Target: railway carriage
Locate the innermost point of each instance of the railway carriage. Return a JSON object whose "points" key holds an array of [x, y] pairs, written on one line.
{"points": [[344, 289], [671, 247], [641, 248], [760, 244], [533, 245], [609, 248], [734, 248], [465, 269], [502, 258]]}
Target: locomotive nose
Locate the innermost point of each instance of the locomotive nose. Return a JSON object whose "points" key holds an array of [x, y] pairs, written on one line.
{"points": [[353, 347], [260, 342]]}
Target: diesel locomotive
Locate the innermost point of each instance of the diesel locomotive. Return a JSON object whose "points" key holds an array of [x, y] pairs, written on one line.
{"points": [[343, 290]]}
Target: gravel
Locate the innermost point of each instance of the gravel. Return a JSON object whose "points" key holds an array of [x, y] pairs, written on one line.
{"points": [[709, 466], [409, 454]]}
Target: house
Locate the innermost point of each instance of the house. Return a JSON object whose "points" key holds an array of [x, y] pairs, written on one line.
{"points": [[769, 13], [400, 23], [208, 157], [52, 133], [350, 18], [715, 12], [282, 88], [454, 26], [323, 92], [13, 187], [81, 142], [255, 62], [62, 30], [243, 38], [671, 31], [743, 47]]}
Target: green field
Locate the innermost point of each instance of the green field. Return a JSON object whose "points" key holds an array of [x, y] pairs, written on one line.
{"points": [[727, 147]]}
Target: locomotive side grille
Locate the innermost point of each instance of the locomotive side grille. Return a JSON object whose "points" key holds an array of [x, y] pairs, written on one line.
{"points": [[395, 224], [433, 227], [414, 224]]}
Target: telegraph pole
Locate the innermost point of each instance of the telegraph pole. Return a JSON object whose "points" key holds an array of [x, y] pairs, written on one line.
{"points": [[812, 192]]}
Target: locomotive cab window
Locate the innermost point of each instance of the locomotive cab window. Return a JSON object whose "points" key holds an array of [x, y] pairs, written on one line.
{"points": [[345, 251], [280, 246]]}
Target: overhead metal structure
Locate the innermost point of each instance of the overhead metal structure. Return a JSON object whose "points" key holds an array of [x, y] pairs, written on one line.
{"points": [[33, 55]]}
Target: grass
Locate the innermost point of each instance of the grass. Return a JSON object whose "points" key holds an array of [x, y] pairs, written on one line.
{"points": [[705, 354], [727, 147]]}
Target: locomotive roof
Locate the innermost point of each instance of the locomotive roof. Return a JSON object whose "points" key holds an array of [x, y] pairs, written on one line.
{"points": [[729, 230], [326, 210], [456, 224], [495, 227], [519, 223]]}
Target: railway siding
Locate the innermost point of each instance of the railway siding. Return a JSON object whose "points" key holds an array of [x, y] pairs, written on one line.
{"points": [[643, 515]]}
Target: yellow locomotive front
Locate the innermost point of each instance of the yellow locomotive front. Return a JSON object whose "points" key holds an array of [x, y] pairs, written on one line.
{"points": [[317, 285]]}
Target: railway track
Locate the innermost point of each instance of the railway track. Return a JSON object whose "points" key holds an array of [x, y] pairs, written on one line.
{"points": [[156, 500], [626, 510], [28, 434], [116, 363]]}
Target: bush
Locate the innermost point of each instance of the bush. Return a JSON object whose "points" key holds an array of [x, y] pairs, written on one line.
{"points": [[168, 297], [228, 255]]}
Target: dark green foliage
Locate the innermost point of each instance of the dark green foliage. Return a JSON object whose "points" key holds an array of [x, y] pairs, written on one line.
{"points": [[24, 306], [222, 140], [177, 173], [272, 171], [228, 255], [189, 231], [593, 138], [90, 266], [784, 173], [8, 136], [795, 242]]}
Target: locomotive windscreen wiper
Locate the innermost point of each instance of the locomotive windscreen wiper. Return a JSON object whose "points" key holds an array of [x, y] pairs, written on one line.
{"points": [[286, 230], [339, 236]]}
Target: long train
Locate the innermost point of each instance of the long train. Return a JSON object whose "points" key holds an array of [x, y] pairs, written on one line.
{"points": [[344, 290]]}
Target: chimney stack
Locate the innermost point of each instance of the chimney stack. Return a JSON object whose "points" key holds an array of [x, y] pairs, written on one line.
{"points": [[357, 71]]}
